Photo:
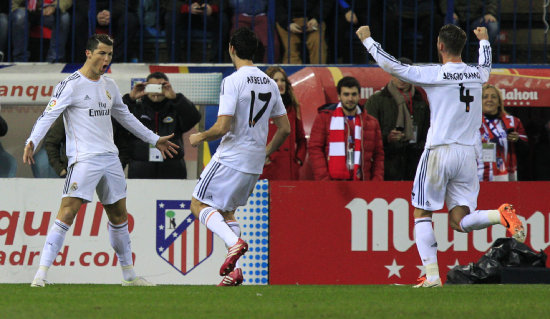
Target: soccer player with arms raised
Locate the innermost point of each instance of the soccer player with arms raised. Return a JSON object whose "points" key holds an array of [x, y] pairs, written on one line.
{"points": [[87, 100], [447, 171], [248, 99]]}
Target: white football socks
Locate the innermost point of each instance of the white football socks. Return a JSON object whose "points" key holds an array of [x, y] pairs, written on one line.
{"points": [[212, 219], [52, 246], [480, 219], [427, 246], [236, 228], [119, 236]]}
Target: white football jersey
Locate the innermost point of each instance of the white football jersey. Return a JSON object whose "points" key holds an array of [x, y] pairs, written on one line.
{"points": [[251, 98], [453, 89], [87, 107]]}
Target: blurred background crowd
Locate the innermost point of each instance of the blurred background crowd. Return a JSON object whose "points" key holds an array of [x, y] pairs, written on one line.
{"points": [[291, 31], [514, 142]]}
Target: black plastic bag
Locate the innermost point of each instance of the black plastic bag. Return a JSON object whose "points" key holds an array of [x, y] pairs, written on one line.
{"points": [[505, 252]]}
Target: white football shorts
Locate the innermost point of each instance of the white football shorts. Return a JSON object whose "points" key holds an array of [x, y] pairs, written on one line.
{"points": [[224, 188], [446, 173], [102, 173]]}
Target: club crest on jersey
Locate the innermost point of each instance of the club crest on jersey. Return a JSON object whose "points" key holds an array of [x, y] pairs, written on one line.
{"points": [[108, 94], [51, 105], [181, 239], [74, 187]]}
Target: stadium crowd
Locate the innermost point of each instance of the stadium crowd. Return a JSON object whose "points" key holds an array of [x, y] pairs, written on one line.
{"points": [[293, 31], [290, 31]]}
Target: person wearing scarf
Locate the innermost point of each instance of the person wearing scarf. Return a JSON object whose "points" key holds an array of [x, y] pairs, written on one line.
{"points": [[501, 135], [404, 116], [346, 142]]}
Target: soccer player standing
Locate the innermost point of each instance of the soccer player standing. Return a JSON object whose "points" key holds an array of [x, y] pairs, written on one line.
{"points": [[87, 100], [447, 169], [248, 99]]}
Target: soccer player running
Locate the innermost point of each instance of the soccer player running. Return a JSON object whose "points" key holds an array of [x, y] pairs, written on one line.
{"points": [[447, 169], [87, 100], [248, 100]]}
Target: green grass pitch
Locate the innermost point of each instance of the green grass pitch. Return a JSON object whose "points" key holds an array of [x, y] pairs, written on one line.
{"points": [[110, 301]]}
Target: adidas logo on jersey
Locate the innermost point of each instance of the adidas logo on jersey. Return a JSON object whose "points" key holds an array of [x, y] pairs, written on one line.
{"points": [[87, 98]]}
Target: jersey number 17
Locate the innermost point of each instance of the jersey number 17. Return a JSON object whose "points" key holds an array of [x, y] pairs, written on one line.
{"points": [[264, 97]]}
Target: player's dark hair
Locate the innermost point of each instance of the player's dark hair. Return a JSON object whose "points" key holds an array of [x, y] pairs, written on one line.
{"points": [[349, 82], [245, 43], [94, 40], [453, 37], [157, 75]]}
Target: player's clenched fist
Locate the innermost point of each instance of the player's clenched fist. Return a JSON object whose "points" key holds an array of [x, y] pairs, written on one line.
{"points": [[363, 32], [481, 33], [195, 139]]}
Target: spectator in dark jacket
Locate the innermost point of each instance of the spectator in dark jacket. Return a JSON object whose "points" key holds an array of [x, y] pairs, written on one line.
{"points": [[353, 14], [160, 112], [404, 117], [415, 22], [335, 150], [113, 17], [3, 126], [4, 7], [472, 14], [54, 143], [204, 18]]}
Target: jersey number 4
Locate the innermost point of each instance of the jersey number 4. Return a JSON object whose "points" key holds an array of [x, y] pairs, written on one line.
{"points": [[465, 98], [264, 97]]}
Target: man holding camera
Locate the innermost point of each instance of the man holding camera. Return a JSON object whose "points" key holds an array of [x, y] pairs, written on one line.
{"points": [[404, 116], [160, 109], [345, 142]]}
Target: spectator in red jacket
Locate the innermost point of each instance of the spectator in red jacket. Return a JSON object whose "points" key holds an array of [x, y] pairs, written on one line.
{"points": [[501, 135], [285, 163], [346, 142]]}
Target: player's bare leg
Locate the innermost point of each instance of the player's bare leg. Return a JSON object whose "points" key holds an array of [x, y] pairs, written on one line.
{"points": [[120, 241], [456, 214], [55, 238]]}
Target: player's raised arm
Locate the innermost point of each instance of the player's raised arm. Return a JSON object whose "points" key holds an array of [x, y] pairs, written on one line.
{"points": [[485, 55], [363, 32], [390, 64], [481, 33]]}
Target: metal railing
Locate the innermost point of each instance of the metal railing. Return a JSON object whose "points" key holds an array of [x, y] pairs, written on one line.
{"points": [[403, 28]]}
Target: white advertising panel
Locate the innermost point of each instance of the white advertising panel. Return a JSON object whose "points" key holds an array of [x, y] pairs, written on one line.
{"points": [[169, 245], [33, 83]]}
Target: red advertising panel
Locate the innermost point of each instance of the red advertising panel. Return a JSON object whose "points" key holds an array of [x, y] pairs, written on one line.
{"points": [[362, 232]]}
